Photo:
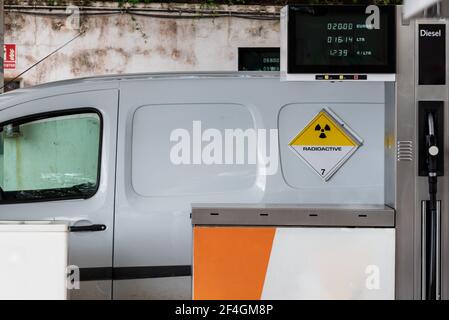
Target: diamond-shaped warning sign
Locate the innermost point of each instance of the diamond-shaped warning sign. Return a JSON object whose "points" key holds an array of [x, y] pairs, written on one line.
{"points": [[325, 143]]}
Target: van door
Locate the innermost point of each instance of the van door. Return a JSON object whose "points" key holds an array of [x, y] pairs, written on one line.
{"points": [[57, 162], [153, 235]]}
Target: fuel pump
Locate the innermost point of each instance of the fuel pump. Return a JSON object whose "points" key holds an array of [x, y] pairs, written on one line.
{"points": [[319, 52]]}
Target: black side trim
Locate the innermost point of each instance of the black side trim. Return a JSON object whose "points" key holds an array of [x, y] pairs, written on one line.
{"points": [[151, 272], [128, 273], [91, 274]]}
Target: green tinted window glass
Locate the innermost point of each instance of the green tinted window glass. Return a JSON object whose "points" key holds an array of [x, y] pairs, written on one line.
{"points": [[50, 158]]}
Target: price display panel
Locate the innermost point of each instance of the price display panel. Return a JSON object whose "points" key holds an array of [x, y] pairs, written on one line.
{"points": [[341, 39]]}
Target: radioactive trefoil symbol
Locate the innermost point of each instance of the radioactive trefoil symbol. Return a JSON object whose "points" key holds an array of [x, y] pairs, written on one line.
{"points": [[322, 130]]}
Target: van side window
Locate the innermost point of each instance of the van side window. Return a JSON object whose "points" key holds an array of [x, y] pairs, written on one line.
{"points": [[50, 157]]}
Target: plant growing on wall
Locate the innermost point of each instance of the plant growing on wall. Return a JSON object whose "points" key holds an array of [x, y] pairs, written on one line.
{"points": [[265, 2]]}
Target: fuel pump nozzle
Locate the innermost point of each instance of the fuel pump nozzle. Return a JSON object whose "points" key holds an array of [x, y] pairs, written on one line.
{"points": [[432, 153], [432, 167]]}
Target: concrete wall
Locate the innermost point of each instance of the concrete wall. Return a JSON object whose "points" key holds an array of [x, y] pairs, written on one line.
{"points": [[123, 43]]}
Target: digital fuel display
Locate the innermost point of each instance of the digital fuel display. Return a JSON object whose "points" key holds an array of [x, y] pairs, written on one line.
{"points": [[341, 39]]}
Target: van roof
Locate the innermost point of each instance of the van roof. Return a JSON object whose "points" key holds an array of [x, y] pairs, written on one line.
{"points": [[185, 75], [113, 81]]}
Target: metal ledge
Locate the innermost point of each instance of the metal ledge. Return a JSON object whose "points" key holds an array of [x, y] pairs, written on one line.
{"points": [[293, 215]]}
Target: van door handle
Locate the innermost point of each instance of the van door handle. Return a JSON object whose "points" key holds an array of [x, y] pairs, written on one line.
{"points": [[90, 228]]}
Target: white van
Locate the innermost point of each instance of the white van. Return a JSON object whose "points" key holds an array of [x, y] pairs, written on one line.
{"points": [[97, 152]]}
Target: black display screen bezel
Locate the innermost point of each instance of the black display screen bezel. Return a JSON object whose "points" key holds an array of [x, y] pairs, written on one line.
{"points": [[388, 67]]}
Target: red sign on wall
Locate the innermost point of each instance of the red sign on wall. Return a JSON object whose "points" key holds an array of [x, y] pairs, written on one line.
{"points": [[9, 56]]}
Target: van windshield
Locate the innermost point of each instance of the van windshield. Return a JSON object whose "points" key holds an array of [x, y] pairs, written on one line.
{"points": [[50, 158]]}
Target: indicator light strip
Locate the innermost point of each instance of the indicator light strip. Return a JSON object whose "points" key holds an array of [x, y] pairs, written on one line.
{"points": [[340, 77]]}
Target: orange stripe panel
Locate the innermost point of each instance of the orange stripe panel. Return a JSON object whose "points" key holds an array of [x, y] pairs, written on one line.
{"points": [[230, 262]]}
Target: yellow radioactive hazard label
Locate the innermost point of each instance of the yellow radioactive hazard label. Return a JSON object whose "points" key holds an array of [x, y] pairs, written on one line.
{"points": [[325, 144], [322, 131]]}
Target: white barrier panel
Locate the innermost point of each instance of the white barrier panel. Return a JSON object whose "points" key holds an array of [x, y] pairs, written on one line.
{"points": [[33, 260]]}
